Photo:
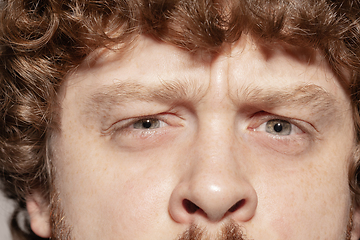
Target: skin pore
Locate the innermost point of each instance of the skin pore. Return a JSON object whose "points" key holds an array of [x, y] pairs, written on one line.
{"points": [[156, 143]]}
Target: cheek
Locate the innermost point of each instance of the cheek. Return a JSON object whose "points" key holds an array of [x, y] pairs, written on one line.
{"points": [[306, 201], [133, 203], [115, 202], [122, 194]]}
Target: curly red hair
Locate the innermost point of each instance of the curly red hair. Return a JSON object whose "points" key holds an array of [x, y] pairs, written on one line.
{"points": [[41, 41]]}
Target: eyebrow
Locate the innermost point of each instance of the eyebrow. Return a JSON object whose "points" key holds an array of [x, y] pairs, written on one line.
{"points": [[309, 96], [169, 92]]}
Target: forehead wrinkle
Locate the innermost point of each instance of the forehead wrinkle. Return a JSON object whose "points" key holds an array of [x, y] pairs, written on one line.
{"points": [[309, 96]]}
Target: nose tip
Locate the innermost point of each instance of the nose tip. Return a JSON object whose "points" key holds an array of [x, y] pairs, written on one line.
{"points": [[215, 206], [214, 215], [212, 202]]}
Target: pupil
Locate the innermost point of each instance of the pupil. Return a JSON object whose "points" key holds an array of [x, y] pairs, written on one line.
{"points": [[278, 127], [147, 124]]}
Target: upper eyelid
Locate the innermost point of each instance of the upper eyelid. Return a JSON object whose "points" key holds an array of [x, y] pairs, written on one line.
{"points": [[266, 116]]}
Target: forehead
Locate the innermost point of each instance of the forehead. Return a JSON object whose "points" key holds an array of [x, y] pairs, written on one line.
{"points": [[245, 66], [149, 57]]}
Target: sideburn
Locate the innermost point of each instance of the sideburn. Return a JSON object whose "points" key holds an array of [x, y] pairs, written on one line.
{"points": [[60, 230]]}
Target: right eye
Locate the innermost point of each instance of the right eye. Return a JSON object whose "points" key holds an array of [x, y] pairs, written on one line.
{"points": [[144, 132], [143, 124], [148, 123], [278, 127]]}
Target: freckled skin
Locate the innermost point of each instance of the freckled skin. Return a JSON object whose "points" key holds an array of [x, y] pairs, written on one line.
{"points": [[132, 183]]}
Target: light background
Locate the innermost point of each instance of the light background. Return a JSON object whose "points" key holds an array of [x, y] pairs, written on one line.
{"points": [[6, 208]]}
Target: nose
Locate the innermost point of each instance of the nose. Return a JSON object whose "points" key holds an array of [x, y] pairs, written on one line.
{"points": [[213, 185], [211, 199]]}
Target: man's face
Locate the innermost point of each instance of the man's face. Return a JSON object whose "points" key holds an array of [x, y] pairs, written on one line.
{"points": [[156, 142]]}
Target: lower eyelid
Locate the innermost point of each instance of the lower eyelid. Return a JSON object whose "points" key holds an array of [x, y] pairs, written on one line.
{"points": [[286, 144]]}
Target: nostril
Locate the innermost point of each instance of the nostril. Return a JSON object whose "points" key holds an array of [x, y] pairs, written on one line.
{"points": [[237, 205], [190, 206]]}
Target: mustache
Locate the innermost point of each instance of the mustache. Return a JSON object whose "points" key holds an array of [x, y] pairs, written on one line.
{"points": [[230, 231]]}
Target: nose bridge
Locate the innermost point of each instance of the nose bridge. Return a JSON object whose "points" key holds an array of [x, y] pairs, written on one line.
{"points": [[215, 137], [216, 173], [215, 133]]}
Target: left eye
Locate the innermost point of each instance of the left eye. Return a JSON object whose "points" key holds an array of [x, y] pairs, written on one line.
{"points": [[149, 123], [278, 127]]}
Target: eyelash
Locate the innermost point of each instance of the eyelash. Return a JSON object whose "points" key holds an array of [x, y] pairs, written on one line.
{"points": [[258, 122], [127, 134], [300, 130]]}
